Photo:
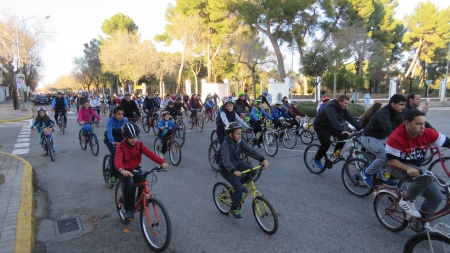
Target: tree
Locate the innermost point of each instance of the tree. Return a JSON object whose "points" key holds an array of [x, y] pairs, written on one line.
{"points": [[119, 22], [166, 64], [314, 62], [195, 64]]}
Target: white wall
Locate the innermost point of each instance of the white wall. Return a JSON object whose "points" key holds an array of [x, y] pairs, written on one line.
{"points": [[276, 89], [221, 89], [4, 92]]}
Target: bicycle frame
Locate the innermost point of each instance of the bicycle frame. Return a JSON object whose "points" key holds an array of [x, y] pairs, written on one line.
{"points": [[437, 151]]}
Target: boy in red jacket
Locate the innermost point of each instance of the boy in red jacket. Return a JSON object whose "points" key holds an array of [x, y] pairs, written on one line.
{"points": [[128, 158]]}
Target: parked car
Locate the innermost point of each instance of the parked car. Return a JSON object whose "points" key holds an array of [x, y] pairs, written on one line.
{"points": [[41, 99]]}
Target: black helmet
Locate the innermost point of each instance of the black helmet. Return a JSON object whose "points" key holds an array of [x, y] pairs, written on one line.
{"points": [[130, 129], [170, 102], [231, 127]]}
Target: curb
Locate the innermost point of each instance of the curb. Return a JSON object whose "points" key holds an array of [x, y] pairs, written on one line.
{"points": [[17, 119], [25, 227]]}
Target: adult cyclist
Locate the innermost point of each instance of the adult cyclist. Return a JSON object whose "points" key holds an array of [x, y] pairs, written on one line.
{"points": [[60, 104], [194, 105], [130, 107]]}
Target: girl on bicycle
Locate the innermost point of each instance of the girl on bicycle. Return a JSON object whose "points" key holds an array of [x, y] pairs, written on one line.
{"points": [[165, 127], [128, 158], [113, 136], [209, 105], [231, 165], [85, 115], [226, 115], [43, 120], [255, 120]]}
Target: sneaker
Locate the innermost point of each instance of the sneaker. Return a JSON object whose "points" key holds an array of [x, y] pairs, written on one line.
{"points": [[318, 164], [367, 178], [129, 215], [113, 180], [55, 151], [409, 208], [236, 214]]}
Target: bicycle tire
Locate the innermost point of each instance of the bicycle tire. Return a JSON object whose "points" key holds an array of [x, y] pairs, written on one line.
{"points": [[145, 126], [264, 211], [83, 144], [352, 179], [206, 118], [157, 146], [118, 197], [44, 145], [289, 139], [428, 158], [213, 136], [63, 129], [314, 134], [413, 245], [181, 135], [306, 137], [93, 143], [270, 143], [190, 124], [213, 155], [50, 150], [105, 170], [158, 233], [222, 197], [175, 153], [437, 162], [200, 122], [385, 204], [308, 158], [155, 125]]}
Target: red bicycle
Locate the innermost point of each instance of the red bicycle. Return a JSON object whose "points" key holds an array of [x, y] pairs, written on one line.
{"points": [[441, 160], [154, 218]]}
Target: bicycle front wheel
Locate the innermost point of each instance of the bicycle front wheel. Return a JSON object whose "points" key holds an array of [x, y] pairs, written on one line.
{"points": [[265, 215], [155, 125], [181, 135], [105, 170], [155, 225], [289, 139], [306, 136], [213, 136], [118, 197], [308, 157], [389, 212], [420, 242], [352, 179], [145, 126], [157, 145], [50, 149], [83, 144], [437, 165], [222, 197], [93, 143], [175, 153], [200, 122], [270, 143], [213, 155]]}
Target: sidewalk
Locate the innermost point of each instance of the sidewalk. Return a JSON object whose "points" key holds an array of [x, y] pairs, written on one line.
{"points": [[17, 222], [8, 114]]}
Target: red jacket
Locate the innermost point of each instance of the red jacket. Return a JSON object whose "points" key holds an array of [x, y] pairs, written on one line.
{"points": [[129, 157]]}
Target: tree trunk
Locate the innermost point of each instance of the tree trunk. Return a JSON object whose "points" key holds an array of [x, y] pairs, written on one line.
{"points": [[196, 84], [180, 71], [280, 62], [361, 58], [334, 83], [413, 62]]}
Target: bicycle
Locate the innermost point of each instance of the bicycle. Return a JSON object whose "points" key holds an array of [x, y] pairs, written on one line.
{"points": [[211, 115], [105, 170], [180, 133], [154, 218], [196, 120], [393, 217], [172, 146], [263, 211], [91, 138], [306, 135], [270, 138], [349, 151], [434, 239], [60, 122], [152, 123], [289, 138], [47, 142]]}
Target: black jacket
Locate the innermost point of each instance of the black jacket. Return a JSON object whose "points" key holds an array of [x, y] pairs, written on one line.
{"points": [[409, 107], [331, 116], [383, 123], [241, 105], [230, 154], [173, 111], [128, 108]]}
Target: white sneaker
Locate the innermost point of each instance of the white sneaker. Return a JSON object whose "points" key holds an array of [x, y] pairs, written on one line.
{"points": [[409, 208]]}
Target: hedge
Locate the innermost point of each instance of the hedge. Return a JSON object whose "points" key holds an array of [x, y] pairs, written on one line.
{"points": [[309, 108]]}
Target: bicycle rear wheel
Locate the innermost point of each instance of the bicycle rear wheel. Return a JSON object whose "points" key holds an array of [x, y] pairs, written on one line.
{"points": [[105, 170], [270, 143], [118, 197], [222, 197], [389, 212], [145, 126], [174, 153], [200, 122], [352, 179], [213, 155], [265, 215], [418, 243], [93, 143], [83, 144], [213, 135], [440, 168], [306, 136], [308, 157], [289, 139], [155, 225], [314, 134]]}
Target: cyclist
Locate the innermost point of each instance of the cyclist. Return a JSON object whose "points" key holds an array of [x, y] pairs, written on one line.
{"points": [[295, 114], [328, 123], [286, 104], [381, 125], [43, 120], [85, 115], [165, 127], [231, 165], [255, 121], [170, 108], [263, 98], [323, 103], [60, 104], [128, 158], [194, 104], [413, 103], [405, 152], [241, 105], [279, 114], [95, 103], [209, 105], [226, 116], [367, 115], [179, 104], [113, 136], [129, 108], [149, 107], [164, 102]]}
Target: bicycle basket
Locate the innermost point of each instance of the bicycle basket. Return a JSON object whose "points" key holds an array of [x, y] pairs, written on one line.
{"points": [[48, 131], [87, 127]]}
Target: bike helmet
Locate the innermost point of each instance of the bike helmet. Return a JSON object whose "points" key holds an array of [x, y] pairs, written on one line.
{"points": [[130, 129], [231, 127], [293, 102], [127, 94], [170, 102], [41, 109], [279, 103], [164, 113], [241, 94], [265, 92], [326, 99], [257, 102], [226, 101]]}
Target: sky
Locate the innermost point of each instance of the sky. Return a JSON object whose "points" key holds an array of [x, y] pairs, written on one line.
{"points": [[73, 23]]}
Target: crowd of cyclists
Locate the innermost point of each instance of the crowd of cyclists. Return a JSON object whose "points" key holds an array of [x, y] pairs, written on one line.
{"points": [[397, 134]]}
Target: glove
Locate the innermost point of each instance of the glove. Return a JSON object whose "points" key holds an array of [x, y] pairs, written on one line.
{"points": [[281, 118]]}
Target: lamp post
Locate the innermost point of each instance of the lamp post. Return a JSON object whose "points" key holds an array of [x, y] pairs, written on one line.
{"points": [[19, 66]]}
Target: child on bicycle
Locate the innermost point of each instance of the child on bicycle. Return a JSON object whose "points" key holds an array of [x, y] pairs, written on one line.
{"points": [[165, 127], [113, 136], [231, 165], [85, 114], [43, 120], [128, 158], [209, 105], [255, 120]]}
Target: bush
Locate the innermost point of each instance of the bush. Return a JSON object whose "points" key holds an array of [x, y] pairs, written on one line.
{"points": [[309, 108], [356, 110]]}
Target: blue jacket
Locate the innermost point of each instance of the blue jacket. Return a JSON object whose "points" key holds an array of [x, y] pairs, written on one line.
{"points": [[167, 126], [278, 113], [65, 103], [256, 114], [210, 103], [43, 123], [115, 126]]}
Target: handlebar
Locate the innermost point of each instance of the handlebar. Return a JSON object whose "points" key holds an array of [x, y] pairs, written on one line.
{"points": [[158, 168], [259, 167], [429, 173]]}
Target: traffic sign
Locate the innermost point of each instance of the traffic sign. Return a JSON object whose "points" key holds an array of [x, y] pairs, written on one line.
{"points": [[269, 98], [428, 82], [367, 99]]}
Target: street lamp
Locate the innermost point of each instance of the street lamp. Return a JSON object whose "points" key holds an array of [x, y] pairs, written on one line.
{"points": [[19, 66]]}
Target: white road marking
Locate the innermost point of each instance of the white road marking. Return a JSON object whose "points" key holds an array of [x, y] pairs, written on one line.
{"points": [[23, 139], [22, 145], [21, 151]]}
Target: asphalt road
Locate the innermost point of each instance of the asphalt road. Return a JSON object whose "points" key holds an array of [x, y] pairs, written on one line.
{"points": [[315, 212]]}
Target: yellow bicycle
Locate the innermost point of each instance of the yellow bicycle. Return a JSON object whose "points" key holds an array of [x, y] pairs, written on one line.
{"points": [[262, 210]]}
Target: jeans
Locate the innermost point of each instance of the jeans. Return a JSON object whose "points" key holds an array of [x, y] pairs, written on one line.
{"points": [[376, 147], [112, 167], [428, 188], [129, 191], [165, 140], [64, 116], [256, 128], [324, 136], [237, 183]]}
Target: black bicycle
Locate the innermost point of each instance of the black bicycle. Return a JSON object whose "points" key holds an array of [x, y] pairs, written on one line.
{"points": [[90, 138]]}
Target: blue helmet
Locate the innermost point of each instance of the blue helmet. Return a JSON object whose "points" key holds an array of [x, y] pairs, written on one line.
{"points": [[264, 92]]}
